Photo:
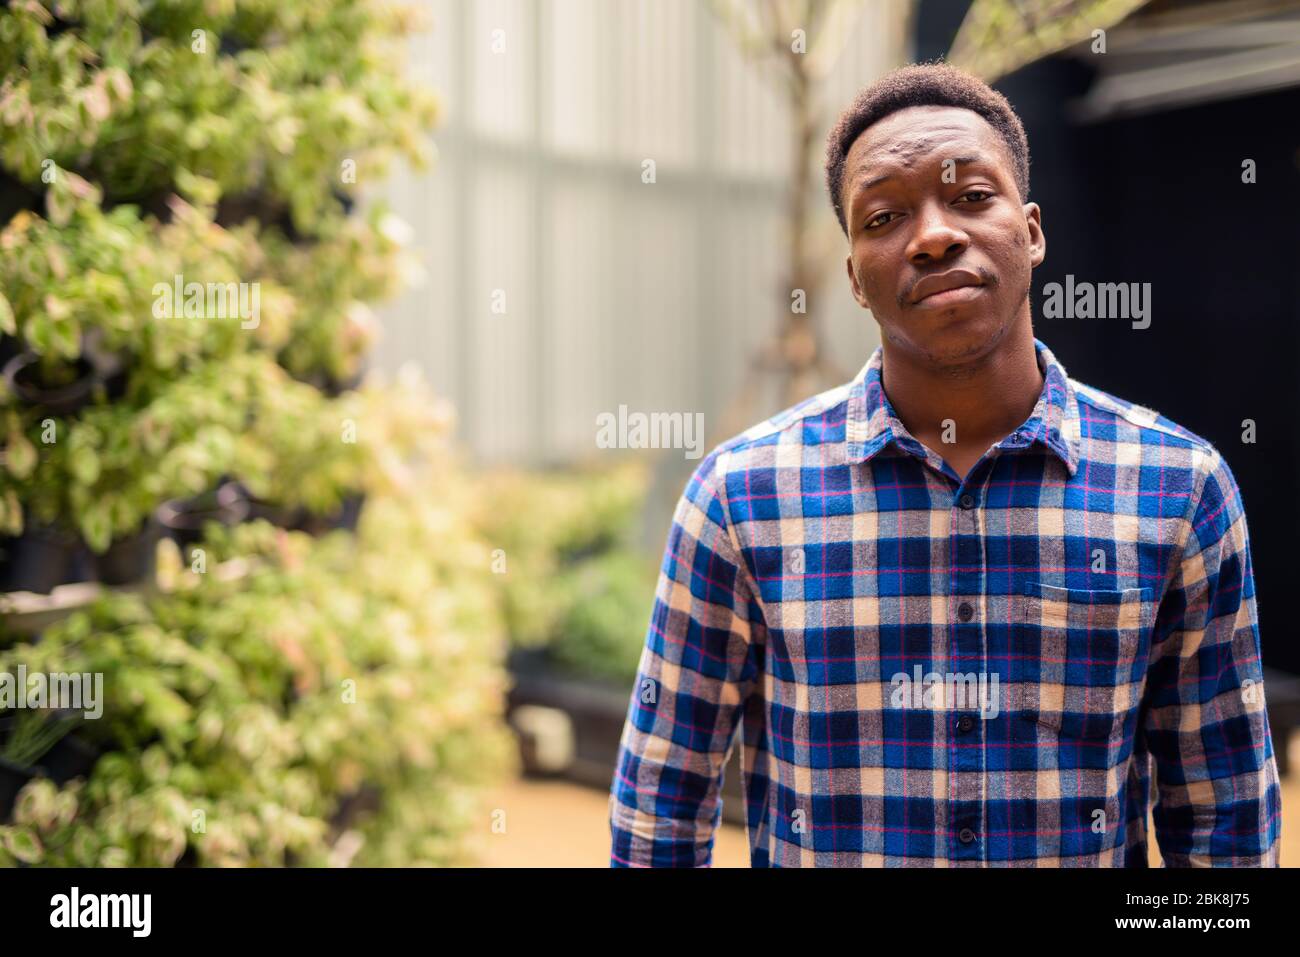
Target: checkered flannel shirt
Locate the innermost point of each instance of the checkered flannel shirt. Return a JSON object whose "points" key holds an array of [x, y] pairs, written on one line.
{"points": [[1093, 569]]}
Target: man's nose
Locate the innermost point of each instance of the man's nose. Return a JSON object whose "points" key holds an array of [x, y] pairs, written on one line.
{"points": [[935, 237]]}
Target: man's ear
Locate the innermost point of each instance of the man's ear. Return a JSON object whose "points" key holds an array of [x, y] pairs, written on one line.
{"points": [[1037, 238], [853, 283]]}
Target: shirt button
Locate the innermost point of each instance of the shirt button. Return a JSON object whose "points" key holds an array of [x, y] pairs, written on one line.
{"points": [[966, 836], [965, 723], [965, 612], [967, 500]]}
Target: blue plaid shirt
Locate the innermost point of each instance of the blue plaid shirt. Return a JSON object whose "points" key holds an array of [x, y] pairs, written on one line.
{"points": [[936, 671]]}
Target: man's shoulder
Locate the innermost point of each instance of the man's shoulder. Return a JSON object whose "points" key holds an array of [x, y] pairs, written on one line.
{"points": [[1161, 441], [1144, 419], [817, 420]]}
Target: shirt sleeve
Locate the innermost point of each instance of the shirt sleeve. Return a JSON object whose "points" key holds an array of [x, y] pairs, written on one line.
{"points": [[699, 666], [1218, 793]]}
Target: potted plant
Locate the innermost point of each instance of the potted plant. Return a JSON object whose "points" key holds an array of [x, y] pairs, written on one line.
{"points": [[50, 385], [184, 520], [13, 778], [43, 557], [129, 559], [25, 738], [303, 459]]}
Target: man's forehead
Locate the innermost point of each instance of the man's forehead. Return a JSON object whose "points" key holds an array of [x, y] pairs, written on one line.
{"points": [[910, 134]]}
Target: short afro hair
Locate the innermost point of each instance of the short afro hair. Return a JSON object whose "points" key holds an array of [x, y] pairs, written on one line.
{"points": [[923, 84]]}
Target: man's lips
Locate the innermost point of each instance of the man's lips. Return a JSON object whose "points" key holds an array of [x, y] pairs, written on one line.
{"points": [[955, 285]]}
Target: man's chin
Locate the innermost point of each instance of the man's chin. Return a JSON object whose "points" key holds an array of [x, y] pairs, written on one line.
{"points": [[951, 336]]}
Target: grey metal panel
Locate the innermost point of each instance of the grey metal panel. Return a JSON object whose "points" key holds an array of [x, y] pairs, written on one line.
{"points": [[617, 291]]}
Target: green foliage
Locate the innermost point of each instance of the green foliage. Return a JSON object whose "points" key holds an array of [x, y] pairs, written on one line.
{"points": [[272, 97], [352, 262], [219, 141], [574, 581], [998, 37], [111, 465], [607, 603], [303, 449], [265, 701], [117, 102], [82, 269], [32, 735]]}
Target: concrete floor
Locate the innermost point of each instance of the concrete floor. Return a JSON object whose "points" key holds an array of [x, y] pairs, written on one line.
{"points": [[557, 824]]}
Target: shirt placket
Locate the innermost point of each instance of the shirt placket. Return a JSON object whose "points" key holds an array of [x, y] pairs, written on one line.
{"points": [[963, 726]]}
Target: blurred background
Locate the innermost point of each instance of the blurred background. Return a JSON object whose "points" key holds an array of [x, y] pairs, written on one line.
{"points": [[363, 582]]}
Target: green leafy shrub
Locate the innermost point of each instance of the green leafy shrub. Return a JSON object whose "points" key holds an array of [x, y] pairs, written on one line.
{"points": [[253, 95], [110, 466], [261, 115], [607, 603], [574, 581], [332, 668], [221, 141], [82, 269]]}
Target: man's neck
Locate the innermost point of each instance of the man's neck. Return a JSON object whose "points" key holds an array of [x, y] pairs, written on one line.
{"points": [[987, 399]]}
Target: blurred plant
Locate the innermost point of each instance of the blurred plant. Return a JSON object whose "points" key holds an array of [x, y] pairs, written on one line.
{"points": [[82, 269], [217, 143], [574, 581], [271, 97], [329, 668], [301, 449], [32, 734], [352, 262], [110, 466], [321, 701], [998, 37], [607, 602]]}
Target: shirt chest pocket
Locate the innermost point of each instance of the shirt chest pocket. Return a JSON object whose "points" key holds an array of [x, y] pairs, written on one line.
{"points": [[1080, 658]]}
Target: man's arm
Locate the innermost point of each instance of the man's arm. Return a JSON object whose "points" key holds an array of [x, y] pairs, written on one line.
{"points": [[1219, 801], [700, 663]]}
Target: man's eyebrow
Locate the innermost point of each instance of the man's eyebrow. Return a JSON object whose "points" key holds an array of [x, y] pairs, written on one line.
{"points": [[965, 160], [875, 181]]}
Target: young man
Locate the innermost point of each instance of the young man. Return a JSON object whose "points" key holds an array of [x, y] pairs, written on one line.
{"points": [[967, 610]]}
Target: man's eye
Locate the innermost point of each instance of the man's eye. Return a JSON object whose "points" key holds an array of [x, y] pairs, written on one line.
{"points": [[979, 194], [877, 221]]}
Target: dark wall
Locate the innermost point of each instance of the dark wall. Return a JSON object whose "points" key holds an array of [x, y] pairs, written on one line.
{"points": [[1159, 199]]}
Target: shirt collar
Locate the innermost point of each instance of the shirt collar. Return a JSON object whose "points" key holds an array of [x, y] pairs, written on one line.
{"points": [[872, 423]]}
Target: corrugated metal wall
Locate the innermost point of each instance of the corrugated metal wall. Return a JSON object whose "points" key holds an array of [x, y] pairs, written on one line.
{"points": [[615, 291]]}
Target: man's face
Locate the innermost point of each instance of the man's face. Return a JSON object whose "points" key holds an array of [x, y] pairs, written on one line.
{"points": [[940, 246]]}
